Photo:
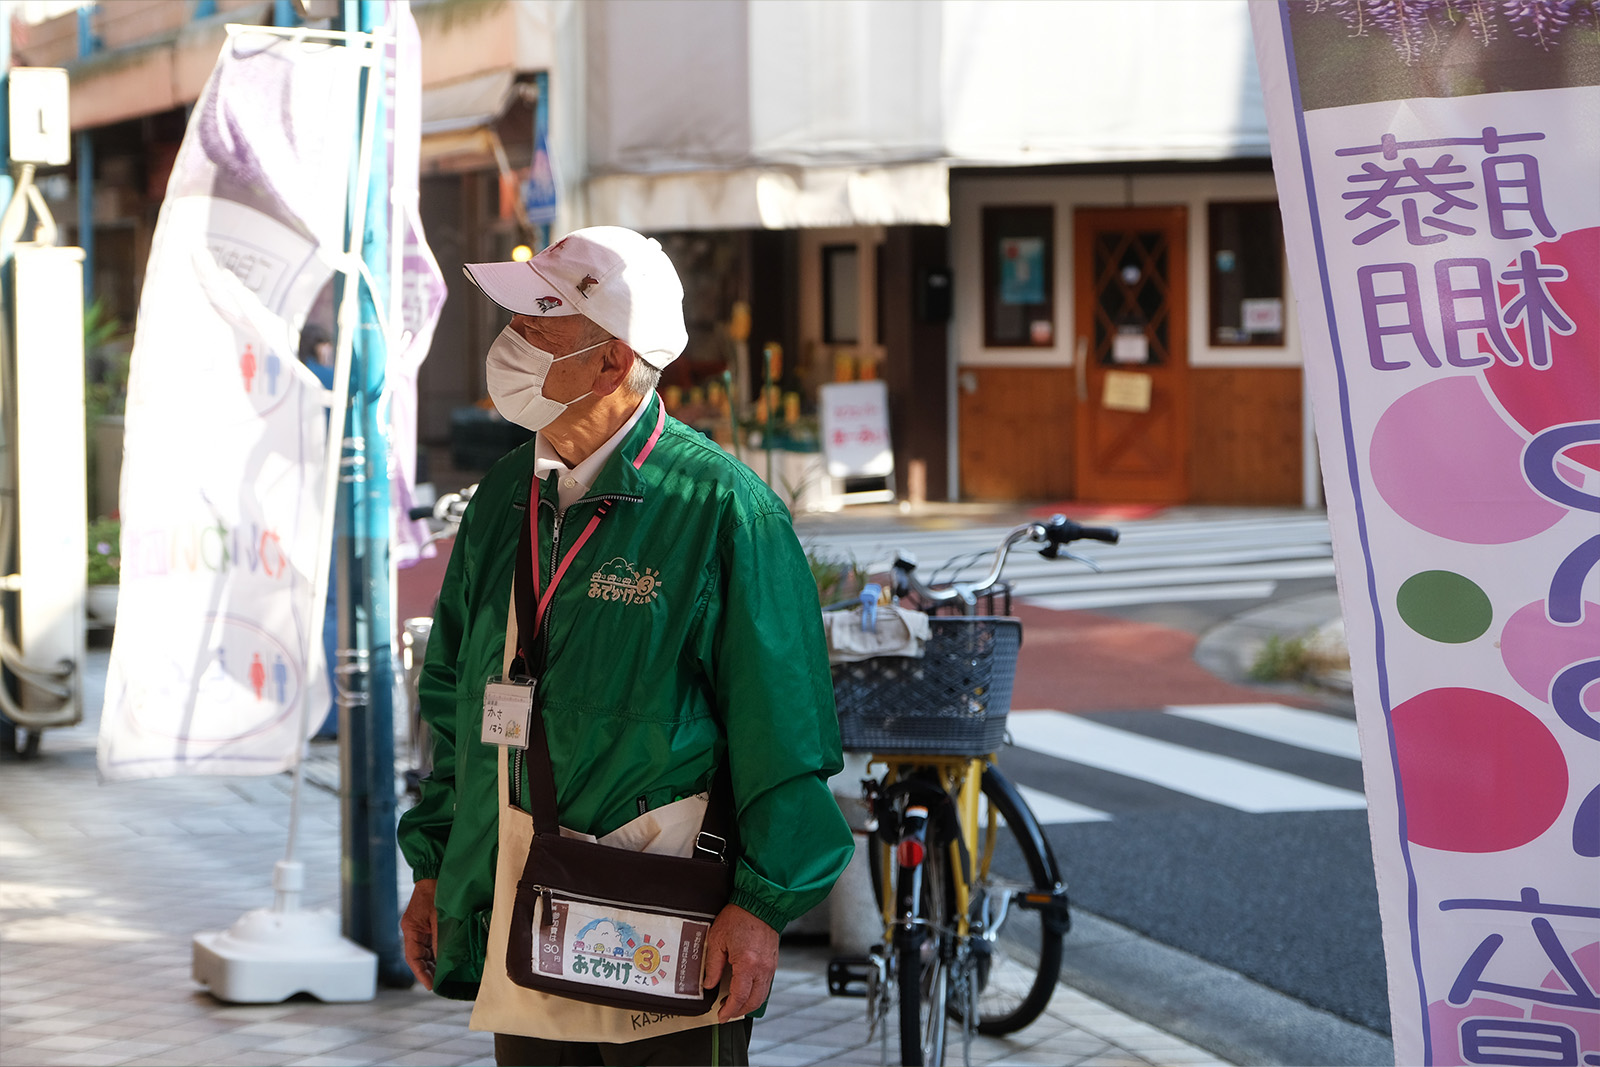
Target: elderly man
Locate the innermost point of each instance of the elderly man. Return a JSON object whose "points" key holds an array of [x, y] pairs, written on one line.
{"points": [[711, 659]]}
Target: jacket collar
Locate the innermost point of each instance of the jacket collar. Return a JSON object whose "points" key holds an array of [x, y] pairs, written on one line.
{"points": [[623, 473]]}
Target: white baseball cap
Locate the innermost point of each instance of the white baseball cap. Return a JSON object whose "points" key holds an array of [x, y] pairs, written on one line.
{"points": [[619, 279]]}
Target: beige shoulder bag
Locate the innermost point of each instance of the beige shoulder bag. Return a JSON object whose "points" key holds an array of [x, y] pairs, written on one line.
{"points": [[507, 1008]]}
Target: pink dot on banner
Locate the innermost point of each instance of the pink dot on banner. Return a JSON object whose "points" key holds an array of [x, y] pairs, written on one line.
{"points": [[1445, 1019], [1478, 773], [1585, 1022], [1535, 649], [1447, 463]]}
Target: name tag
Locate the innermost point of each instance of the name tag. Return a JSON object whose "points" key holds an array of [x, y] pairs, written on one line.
{"points": [[507, 709]]}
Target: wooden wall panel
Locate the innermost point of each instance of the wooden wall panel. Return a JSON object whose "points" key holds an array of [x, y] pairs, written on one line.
{"points": [[1245, 429], [1016, 433]]}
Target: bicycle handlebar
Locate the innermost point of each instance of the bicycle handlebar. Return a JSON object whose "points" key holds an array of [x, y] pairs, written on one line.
{"points": [[1053, 535], [448, 509]]}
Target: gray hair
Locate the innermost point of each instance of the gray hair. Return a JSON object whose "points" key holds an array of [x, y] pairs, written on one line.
{"points": [[642, 378]]}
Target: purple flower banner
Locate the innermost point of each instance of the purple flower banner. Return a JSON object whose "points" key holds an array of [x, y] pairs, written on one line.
{"points": [[1439, 176]]}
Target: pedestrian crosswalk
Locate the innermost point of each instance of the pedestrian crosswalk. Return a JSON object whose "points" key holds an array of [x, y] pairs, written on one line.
{"points": [[1255, 758], [1157, 561], [1308, 729]]}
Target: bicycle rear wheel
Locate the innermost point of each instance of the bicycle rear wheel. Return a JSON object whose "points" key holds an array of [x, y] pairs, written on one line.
{"points": [[1017, 914], [922, 957]]}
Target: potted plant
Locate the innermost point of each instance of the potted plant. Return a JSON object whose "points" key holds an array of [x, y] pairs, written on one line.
{"points": [[105, 570], [838, 580]]}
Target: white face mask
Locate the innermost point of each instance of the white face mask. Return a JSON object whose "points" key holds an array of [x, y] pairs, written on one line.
{"points": [[516, 371]]}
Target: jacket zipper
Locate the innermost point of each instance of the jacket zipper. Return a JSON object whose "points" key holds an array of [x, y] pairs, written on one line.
{"points": [[545, 893]]}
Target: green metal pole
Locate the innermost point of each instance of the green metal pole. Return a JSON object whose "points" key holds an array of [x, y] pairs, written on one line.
{"points": [[366, 671]]}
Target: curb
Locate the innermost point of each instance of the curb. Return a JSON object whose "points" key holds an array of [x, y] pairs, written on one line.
{"points": [[1219, 1010], [1230, 649]]}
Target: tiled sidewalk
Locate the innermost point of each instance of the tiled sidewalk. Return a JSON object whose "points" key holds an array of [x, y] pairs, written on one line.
{"points": [[103, 886]]}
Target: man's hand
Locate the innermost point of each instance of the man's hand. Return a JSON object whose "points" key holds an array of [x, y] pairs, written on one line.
{"points": [[419, 928], [749, 947]]}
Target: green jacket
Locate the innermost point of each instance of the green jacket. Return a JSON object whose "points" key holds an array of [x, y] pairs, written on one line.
{"points": [[685, 631]]}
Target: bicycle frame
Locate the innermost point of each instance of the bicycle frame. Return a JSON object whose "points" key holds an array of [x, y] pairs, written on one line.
{"points": [[961, 778]]}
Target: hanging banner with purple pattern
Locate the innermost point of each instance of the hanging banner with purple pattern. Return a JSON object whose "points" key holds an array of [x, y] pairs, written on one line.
{"points": [[1438, 168], [226, 432]]}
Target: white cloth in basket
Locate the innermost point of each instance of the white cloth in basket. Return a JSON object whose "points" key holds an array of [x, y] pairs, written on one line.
{"points": [[899, 633]]}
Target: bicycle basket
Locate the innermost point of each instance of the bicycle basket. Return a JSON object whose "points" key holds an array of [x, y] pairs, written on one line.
{"points": [[953, 701]]}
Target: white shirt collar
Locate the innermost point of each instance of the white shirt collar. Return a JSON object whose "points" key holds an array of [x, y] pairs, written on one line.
{"points": [[573, 482]]}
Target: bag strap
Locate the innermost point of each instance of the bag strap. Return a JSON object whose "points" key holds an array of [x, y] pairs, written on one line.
{"points": [[717, 840]]}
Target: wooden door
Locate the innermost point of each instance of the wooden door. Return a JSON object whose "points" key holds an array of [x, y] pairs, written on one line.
{"points": [[1131, 357]]}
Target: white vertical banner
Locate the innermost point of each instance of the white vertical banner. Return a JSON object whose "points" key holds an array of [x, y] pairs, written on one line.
{"points": [[417, 289], [225, 441], [1438, 167]]}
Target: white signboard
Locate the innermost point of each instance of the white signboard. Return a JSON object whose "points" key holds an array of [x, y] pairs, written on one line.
{"points": [[226, 431], [855, 429], [1440, 186]]}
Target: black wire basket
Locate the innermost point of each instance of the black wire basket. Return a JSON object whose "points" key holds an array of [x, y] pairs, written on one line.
{"points": [[953, 701]]}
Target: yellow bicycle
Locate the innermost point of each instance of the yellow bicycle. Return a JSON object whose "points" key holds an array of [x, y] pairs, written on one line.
{"points": [[973, 903]]}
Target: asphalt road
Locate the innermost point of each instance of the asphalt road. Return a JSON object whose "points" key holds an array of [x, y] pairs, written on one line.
{"points": [[1285, 899]]}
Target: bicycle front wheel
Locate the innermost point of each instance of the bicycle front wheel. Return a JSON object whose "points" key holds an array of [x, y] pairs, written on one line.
{"points": [[1017, 913], [922, 957]]}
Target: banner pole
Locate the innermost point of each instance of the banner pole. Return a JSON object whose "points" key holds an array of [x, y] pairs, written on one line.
{"points": [[369, 872], [270, 954]]}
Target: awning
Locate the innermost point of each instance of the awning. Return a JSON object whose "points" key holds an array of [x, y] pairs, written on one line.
{"points": [[776, 197], [457, 121], [461, 105]]}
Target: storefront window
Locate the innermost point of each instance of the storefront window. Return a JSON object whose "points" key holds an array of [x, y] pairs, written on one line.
{"points": [[1018, 277], [1246, 268], [841, 295]]}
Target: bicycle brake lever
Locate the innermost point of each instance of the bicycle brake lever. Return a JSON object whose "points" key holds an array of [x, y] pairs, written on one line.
{"points": [[1085, 560]]}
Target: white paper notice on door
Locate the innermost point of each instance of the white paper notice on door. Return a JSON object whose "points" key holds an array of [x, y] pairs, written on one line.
{"points": [[1130, 346], [1126, 391]]}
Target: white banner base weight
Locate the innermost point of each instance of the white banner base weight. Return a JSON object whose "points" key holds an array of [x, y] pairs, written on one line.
{"points": [[271, 954]]}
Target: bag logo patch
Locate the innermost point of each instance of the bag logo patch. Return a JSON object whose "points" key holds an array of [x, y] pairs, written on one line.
{"points": [[609, 950], [618, 580]]}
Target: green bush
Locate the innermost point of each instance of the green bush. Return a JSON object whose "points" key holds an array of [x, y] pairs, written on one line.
{"points": [[105, 548], [1291, 659]]}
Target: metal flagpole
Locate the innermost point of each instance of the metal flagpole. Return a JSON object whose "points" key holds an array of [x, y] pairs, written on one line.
{"points": [[365, 674]]}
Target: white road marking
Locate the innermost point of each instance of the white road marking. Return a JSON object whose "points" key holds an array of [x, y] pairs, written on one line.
{"points": [[1159, 595], [1219, 779], [1050, 809], [1293, 726]]}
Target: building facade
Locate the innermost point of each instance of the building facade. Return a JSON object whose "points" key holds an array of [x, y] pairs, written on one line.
{"points": [[1050, 228]]}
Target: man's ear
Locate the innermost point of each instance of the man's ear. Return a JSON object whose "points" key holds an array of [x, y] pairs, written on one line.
{"points": [[616, 359]]}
